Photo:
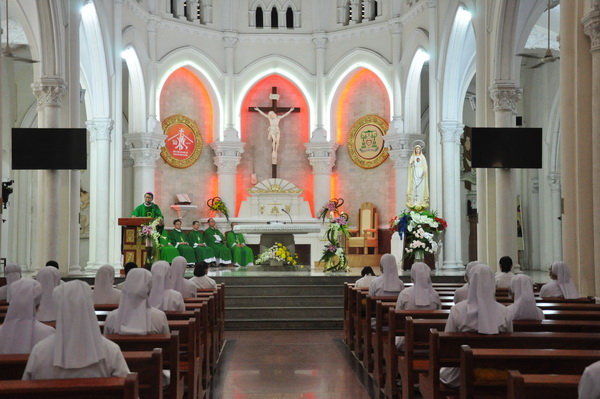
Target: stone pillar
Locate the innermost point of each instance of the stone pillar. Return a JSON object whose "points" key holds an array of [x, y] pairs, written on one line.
{"points": [[505, 95], [591, 27], [129, 202], [320, 42], [228, 155], [100, 135], [397, 123], [451, 132], [400, 148], [144, 149], [230, 133], [555, 200], [321, 156], [49, 91]]}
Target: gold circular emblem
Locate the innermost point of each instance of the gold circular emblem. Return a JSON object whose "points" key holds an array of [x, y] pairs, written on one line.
{"points": [[365, 141], [183, 144]]}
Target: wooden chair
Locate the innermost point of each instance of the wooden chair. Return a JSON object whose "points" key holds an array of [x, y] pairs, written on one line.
{"points": [[366, 235]]}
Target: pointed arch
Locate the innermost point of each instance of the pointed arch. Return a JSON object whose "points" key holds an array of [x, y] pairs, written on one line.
{"points": [[415, 55]]}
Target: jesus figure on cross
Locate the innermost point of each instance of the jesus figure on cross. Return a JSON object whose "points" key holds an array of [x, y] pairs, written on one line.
{"points": [[273, 130]]}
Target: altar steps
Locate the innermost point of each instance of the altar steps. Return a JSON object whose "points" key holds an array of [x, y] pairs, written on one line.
{"points": [[284, 302]]}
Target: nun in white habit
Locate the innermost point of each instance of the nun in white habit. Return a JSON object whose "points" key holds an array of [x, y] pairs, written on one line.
{"points": [[589, 385], [523, 307], [20, 330], [77, 350], [388, 283], [135, 316], [421, 296], [178, 283], [561, 285], [161, 296], [12, 272], [461, 293], [104, 292], [479, 313], [49, 278]]}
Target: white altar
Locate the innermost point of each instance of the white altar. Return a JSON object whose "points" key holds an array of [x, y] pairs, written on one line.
{"points": [[278, 232]]}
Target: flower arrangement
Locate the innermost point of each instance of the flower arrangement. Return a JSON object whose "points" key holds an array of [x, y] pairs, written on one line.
{"points": [[216, 204], [334, 255], [277, 252], [422, 230], [330, 209], [150, 234]]}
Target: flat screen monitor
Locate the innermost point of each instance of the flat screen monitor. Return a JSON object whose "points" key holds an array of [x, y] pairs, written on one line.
{"points": [[506, 147], [40, 149]]}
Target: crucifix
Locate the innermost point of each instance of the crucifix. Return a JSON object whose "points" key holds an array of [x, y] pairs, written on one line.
{"points": [[271, 114]]}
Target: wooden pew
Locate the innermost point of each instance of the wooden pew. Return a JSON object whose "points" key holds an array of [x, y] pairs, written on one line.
{"points": [[169, 343], [348, 325], [542, 386], [527, 361], [572, 314], [445, 351], [370, 334], [89, 388]]}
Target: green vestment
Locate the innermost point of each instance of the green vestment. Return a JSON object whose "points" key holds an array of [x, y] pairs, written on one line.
{"points": [[203, 252], [166, 252], [152, 211], [222, 253], [242, 256], [184, 250]]}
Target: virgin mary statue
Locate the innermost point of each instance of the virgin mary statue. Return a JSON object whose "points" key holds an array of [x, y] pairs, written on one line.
{"points": [[417, 194]]}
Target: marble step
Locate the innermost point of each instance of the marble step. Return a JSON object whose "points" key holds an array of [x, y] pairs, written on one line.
{"points": [[291, 301], [283, 312], [284, 324], [284, 290]]}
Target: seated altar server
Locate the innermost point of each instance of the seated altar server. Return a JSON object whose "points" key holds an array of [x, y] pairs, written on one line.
{"points": [[166, 250], [103, 286], [179, 241], [77, 350], [196, 240], [524, 307], [368, 275], [505, 275], [49, 278], [12, 272], [561, 285], [214, 239], [200, 279], [589, 385], [20, 330], [135, 316], [421, 296], [177, 282], [461, 293], [388, 283], [161, 296], [480, 313], [242, 255]]}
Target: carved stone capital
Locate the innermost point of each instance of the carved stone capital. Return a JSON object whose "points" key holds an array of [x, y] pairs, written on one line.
{"points": [[505, 96], [49, 91], [100, 129], [320, 149], [227, 164], [127, 160], [230, 40], [150, 141], [591, 27], [228, 148], [144, 157], [451, 131], [322, 165], [554, 181], [396, 26], [320, 42], [400, 147], [400, 157]]}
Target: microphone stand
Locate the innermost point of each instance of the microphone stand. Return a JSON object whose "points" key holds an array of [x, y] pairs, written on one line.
{"points": [[287, 213]]}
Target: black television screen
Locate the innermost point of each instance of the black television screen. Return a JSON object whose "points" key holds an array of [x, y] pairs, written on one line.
{"points": [[61, 148], [506, 147]]}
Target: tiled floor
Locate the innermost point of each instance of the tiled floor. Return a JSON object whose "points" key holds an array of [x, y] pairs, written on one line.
{"points": [[289, 365]]}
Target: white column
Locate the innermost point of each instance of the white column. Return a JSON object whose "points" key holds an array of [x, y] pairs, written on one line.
{"points": [[129, 201], [397, 123], [451, 132], [320, 133], [144, 149], [49, 91], [228, 155], [505, 95], [556, 223], [230, 133], [400, 148], [100, 135], [321, 156]]}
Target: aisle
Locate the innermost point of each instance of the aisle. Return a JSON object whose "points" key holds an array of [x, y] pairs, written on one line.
{"points": [[307, 364]]}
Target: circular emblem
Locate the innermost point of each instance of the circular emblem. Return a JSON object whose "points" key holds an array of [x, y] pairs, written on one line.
{"points": [[365, 141], [183, 144]]}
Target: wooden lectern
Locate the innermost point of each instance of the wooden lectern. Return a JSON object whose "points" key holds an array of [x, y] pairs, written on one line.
{"points": [[132, 247]]}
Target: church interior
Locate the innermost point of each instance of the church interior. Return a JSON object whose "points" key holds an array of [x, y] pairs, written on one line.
{"points": [[172, 97]]}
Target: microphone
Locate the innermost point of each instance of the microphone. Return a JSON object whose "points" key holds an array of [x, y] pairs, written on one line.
{"points": [[287, 213]]}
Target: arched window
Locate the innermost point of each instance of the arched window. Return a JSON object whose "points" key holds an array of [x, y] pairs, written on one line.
{"points": [[259, 17], [289, 18], [274, 18]]}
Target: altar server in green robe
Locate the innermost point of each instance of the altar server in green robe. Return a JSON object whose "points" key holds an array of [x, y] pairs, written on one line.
{"points": [[179, 240], [196, 241], [148, 209], [167, 251], [214, 239], [242, 255]]}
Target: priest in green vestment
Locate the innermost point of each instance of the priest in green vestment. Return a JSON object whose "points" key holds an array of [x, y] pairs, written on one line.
{"points": [[179, 240], [214, 239], [148, 209], [242, 255], [166, 250], [196, 240]]}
